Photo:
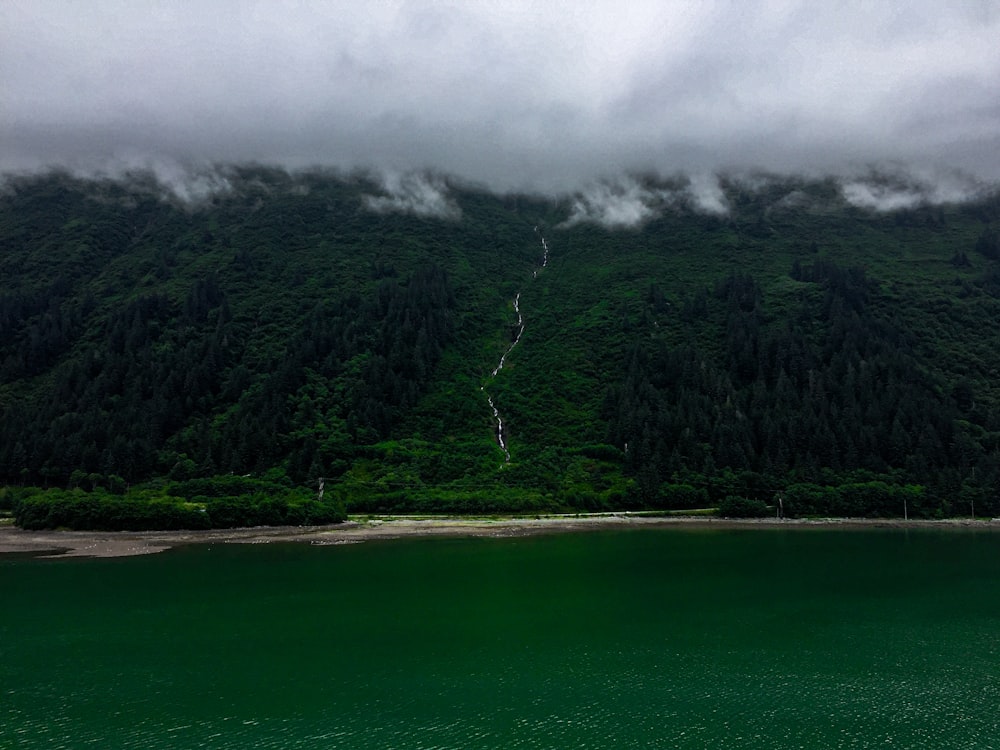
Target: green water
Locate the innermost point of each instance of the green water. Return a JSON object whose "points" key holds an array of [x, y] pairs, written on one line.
{"points": [[652, 639]]}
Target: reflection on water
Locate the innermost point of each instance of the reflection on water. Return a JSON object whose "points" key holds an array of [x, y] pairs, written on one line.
{"points": [[651, 638]]}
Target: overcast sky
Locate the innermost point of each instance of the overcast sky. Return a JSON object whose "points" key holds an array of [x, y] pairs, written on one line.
{"points": [[514, 94]]}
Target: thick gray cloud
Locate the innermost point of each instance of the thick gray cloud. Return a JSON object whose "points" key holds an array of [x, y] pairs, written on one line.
{"points": [[546, 95]]}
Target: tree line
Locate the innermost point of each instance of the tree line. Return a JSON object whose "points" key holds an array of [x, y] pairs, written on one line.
{"points": [[831, 395]]}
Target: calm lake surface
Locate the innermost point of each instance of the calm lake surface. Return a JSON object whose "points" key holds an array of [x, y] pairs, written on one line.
{"points": [[642, 638]]}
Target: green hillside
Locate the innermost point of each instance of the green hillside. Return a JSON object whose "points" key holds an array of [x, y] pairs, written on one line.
{"points": [[296, 327]]}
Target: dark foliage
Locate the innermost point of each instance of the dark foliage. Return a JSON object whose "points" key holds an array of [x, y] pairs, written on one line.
{"points": [[829, 392], [166, 364]]}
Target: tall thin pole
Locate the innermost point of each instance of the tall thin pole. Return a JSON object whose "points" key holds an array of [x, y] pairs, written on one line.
{"points": [[972, 497]]}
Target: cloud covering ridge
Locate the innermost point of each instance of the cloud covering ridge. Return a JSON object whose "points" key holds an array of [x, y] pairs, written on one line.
{"points": [[514, 95]]}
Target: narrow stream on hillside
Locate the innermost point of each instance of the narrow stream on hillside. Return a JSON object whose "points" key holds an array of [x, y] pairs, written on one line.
{"points": [[501, 436]]}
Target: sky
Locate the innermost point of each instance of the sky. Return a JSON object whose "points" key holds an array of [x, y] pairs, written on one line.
{"points": [[514, 95]]}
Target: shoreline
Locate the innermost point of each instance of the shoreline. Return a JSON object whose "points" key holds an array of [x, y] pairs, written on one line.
{"points": [[106, 544]]}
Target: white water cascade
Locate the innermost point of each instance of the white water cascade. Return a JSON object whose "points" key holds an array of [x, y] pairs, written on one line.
{"points": [[501, 437]]}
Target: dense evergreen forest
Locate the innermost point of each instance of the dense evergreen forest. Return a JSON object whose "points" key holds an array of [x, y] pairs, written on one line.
{"points": [[204, 363]]}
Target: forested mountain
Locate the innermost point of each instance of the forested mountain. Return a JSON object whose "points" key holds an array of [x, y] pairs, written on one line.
{"points": [[285, 328]]}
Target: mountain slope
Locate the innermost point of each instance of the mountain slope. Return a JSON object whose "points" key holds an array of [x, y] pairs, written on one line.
{"points": [[326, 326]]}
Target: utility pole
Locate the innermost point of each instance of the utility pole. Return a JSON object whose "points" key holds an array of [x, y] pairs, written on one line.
{"points": [[972, 497]]}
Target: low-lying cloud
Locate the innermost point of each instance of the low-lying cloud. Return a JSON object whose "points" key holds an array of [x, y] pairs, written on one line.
{"points": [[614, 205], [186, 183], [417, 193], [629, 201], [706, 194], [897, 188], [190, 185]]}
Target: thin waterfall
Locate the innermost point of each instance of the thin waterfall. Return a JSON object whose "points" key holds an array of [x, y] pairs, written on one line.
{"points": [[501, 436]]}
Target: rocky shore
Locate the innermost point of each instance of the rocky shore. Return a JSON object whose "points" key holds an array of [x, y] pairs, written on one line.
{"points": [[127, 543]]}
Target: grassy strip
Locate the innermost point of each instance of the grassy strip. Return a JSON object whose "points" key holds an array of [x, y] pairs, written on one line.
{"points": [[149, 510]]}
